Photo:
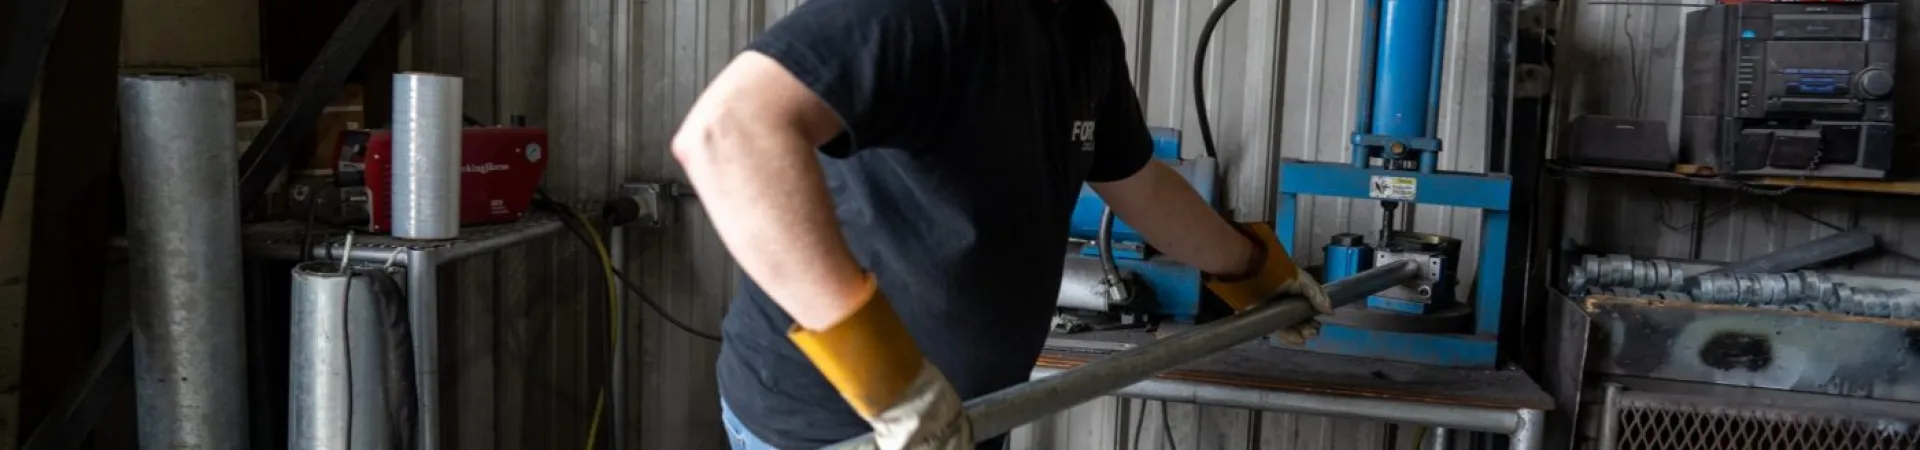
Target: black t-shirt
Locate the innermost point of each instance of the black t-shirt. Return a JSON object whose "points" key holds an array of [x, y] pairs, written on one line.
{"points": [[969, 128]]}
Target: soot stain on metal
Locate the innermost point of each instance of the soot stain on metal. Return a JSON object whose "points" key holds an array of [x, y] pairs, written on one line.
{"points": [[1913, 341], [1731, 350]]}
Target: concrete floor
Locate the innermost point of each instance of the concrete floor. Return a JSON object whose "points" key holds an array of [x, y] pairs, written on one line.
{"points": [[15, 229]]}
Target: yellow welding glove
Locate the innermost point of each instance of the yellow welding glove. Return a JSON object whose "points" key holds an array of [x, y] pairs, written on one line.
{"points": [[1272, 273], [873, 362]]}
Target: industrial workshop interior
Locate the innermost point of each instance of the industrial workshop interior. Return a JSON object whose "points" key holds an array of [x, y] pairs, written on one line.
{"points": [[469, 224]]}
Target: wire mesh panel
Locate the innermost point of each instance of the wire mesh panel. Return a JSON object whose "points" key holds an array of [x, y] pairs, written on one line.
{"points": [[1648, 422]]}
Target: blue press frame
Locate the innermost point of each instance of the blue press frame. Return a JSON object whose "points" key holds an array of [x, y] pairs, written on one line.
{"points": [[1490, 193]]}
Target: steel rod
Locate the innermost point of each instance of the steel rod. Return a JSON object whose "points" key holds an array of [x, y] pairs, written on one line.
{"points": [[999, 412], [423, 310], [183, 242], [1803, 255], [1531, 432]]}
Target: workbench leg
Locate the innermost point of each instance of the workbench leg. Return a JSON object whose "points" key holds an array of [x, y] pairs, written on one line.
{"points": [[423, 282], [1531, 434], [1440, 439]]}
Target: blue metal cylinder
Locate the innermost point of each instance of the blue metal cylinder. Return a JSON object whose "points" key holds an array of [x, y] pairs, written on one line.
{"points": [[1347, 254], [1403, 67]]}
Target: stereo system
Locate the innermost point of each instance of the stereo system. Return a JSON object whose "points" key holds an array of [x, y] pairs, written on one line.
{"points": [[1791, 89]]}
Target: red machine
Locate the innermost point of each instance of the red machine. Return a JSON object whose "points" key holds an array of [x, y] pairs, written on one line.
{"points": [[500, 170]]}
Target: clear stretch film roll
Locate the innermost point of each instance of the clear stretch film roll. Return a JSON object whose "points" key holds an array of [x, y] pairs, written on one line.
{"points": [[426, 153], [181, 174]]}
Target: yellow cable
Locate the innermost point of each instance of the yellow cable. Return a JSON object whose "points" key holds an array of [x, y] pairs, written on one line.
{"points": [[613, 317]]}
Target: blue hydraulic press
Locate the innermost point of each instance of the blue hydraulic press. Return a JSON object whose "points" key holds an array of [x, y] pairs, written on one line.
{"points": [[1394, 150]]}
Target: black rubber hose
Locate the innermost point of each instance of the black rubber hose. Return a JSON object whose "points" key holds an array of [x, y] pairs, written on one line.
{"points": [[1200, 75]]}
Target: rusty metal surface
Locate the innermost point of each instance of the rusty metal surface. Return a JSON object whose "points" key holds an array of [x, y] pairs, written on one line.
{"points": [[1257, 365], [1775, 349]]}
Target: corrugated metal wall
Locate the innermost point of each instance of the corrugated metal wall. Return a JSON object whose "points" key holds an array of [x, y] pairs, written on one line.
{"points": [[613, 78], [1613, 50]]}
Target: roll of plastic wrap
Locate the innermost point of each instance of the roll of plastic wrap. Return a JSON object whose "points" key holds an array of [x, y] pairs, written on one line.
{"points": [[426, 153]]}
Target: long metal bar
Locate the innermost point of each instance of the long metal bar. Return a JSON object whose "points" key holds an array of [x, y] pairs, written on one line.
{"points": [[618, 383], [999, 412], [1610, 418], [183, 242], [496, 243], [1441, 438], [269, 153], [423, 312], [1803, 255]]}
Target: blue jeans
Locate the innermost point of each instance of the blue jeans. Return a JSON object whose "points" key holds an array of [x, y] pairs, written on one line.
{"points": [[738, 438]]}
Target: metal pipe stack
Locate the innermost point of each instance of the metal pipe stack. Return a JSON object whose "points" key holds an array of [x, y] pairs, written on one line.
{"points": [[180, 169], [426, 152], [1626, 276], [338, 384]]}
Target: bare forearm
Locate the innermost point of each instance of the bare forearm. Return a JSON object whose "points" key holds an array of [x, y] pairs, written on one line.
{"points": [[1165, 209], [762, 186]]}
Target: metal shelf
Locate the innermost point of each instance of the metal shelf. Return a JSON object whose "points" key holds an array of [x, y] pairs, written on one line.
{"points": [[282, 241], [1258, 376], [1830, 185]]}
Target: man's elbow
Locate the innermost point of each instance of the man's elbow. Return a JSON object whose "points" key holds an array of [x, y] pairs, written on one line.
{"points": [[693, 145]]}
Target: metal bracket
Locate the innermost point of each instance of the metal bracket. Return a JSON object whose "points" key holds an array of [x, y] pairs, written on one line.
{"points": [[1418, 144], [655, 201]]}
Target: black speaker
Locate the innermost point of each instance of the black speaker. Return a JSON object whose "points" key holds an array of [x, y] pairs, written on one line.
{"points": [[1619, 142]]}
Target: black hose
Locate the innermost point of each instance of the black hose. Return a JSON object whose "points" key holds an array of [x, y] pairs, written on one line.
{"points": [[1110, 270], [1200, 75]]}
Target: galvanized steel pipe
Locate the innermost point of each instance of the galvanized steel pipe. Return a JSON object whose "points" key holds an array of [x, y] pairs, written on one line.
{"points": [[426, 156], [999, 412], [179, 163], [423, 313], [1804, 255], [337, 381]]}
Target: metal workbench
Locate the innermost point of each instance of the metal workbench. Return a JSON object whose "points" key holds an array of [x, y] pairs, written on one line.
{"points": [[422, 260], [1258, 376]]}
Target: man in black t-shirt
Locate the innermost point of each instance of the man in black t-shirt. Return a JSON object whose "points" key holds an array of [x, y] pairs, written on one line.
{"points": [[914, 259]]}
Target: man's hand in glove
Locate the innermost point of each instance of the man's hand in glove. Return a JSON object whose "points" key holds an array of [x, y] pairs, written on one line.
{"points": [[1271, 272], [873, 362]]}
